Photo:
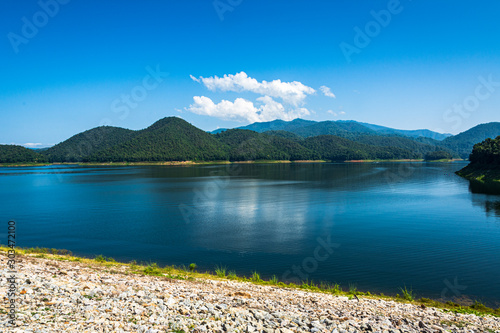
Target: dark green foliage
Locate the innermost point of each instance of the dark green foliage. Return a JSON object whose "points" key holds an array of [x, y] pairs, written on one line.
{"points": [[18, 154], [173, 139], [286, 135], [246, 145], [486, 152], [335, 148], [464, 142], [419, 149], [169, 139], [437, 155], [79, 147]]}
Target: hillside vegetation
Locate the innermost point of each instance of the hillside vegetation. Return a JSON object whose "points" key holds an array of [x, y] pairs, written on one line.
{"points": [[464, 142], [484, 165], [173, 139], [18, 154], [486, 152]]}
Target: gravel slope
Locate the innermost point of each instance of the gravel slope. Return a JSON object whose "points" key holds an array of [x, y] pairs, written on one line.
{"points": [[57, 296]]}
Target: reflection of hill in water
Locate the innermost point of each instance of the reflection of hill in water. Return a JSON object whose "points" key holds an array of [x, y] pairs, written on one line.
{"points": [[488, 188], [490, 206]]}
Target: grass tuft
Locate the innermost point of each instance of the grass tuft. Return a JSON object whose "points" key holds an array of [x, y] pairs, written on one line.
{"points": [[220, 271], [408, 295]]}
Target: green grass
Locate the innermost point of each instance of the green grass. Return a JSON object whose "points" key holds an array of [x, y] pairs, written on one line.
{"points": [[408, 295], [152, 269], [255, 277], [221, 273], [232, 275], [353, 289]]}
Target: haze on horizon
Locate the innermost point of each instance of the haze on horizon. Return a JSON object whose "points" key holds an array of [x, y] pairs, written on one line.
{"points": [[68, 66]]}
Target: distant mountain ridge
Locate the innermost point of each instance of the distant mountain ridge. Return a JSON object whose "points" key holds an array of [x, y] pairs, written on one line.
{"points": [[307, 128]]}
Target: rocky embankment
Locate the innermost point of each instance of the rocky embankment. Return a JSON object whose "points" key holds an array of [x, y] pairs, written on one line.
{"points": [[62, 296]]}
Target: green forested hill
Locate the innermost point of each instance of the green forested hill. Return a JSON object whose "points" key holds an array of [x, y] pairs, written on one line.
{"points": [[173, 139], [80, 146], [464, 142], [246, 145], [420, 149], [335, 148], [18, 154], [484, 167], [486, 152], [347, 130], [169, 139]]}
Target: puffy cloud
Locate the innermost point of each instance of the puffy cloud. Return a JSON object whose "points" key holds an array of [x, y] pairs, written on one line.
{"points": [[327, 91], [293, 93], [244, 110]]}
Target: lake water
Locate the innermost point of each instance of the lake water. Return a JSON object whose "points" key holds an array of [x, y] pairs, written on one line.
{"points": [[377, 226]]}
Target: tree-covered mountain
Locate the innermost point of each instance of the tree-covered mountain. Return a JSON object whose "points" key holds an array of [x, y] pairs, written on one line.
{"points": [[18, 154], [80, 146], [173, 139], [278, 125], [246, 145], [169, 139], [419, 148], [425, 133], [344, 128], [464, 142]]}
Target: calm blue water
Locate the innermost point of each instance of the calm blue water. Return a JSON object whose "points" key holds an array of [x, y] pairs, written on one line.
{"points": [[388, 224]]}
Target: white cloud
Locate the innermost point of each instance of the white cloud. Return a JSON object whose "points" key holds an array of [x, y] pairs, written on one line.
{"points": [[293, 93], [32, 145], [332, 113], [244, 110], [194, 79], [342, 112], [327, 91]]}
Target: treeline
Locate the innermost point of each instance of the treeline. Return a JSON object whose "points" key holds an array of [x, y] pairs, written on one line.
{"points": [[486, 152], [18, 154]]}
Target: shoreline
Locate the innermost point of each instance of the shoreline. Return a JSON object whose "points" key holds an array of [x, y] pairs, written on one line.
{"points": [[222, 273], [193, 163], [486, 174], [66, 293]]}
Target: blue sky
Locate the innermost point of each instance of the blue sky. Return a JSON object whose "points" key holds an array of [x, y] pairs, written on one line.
{"points": [[68, 66]]}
